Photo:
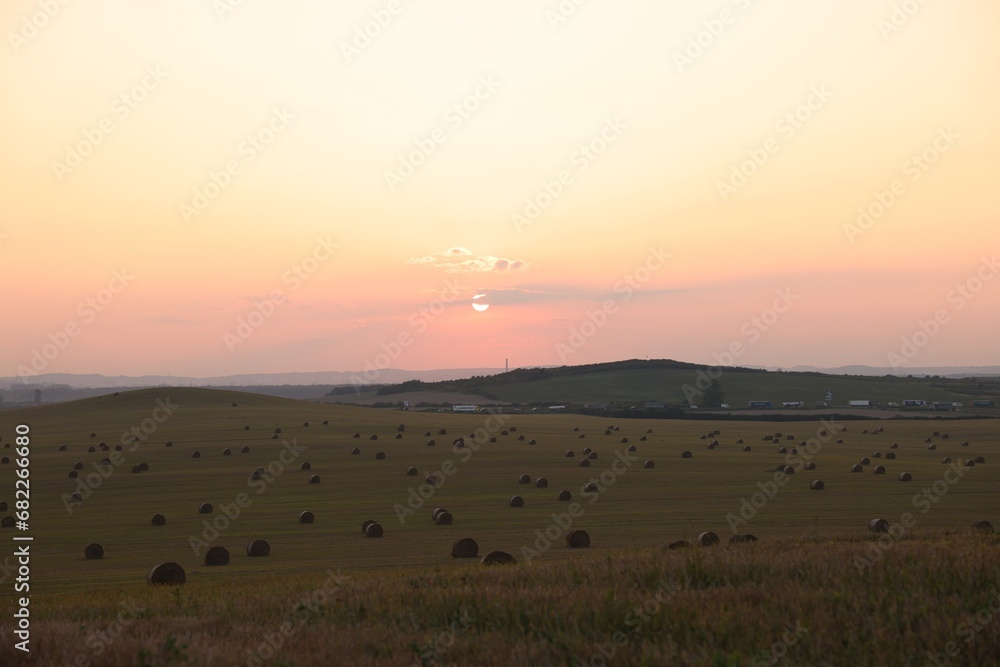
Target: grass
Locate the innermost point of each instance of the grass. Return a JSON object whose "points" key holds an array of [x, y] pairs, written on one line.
{"points": [[557, 604]]}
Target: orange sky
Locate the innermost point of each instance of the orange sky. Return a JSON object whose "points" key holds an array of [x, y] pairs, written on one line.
{"points": [[279, 192]]}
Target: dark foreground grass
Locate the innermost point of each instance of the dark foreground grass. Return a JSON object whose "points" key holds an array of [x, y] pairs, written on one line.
{"points": [[785, 602]]}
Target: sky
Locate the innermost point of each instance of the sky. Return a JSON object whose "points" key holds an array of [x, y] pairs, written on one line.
{"points": [[237, 186]]}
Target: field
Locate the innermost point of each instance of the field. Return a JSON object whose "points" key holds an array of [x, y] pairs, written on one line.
{"points": [[402, 599]]}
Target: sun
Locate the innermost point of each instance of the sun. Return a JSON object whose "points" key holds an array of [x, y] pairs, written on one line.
{"points": [[480, 306]]}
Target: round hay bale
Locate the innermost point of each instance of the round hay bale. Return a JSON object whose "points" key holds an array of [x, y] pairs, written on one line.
{"points": [[742, 539], [703, 437], [969, 463], [498, 558], [493, 438], [793, 451], [77, 466], [217, 557], [532, 442], [7, 522], [227, 451], [144, 467], [305, 466], [436, 512], [642, 438], [166, 574], [946, 460], [587, 450], [584, 463], [649, 430], [3, 506], [306, 517], [876, 455], [631, 448], [258, 549], [73, 474], [93, 551], [326, 422], [980, 459], [305, 423], [708, 539], [648, 465], [624, 441], [520, 438], [274, 437], [196, 454], [399, 436], [583, 435], [746, 448], [857, 468], [788, 470], [879, 470], [685, 455], [400, 428], [104, 448], [411, 471], [136, 470], [931, 447], [427, 434], [205, 508], [168, 444], [524, 479], [62, 448], [712, 446], [607, 431], [374, 530], [890, 456], [782, 450], [159, 520], [905, 477], [878, 526], [809, 466], [565, 496], [444, 518], [570, 454], [247, 427], [380, 456], [91, 450], [541, 483], [106, 461], [982, 527], [365, 524], [76, 496], [590, 488], [680, 544], [245, 450], [431, 479], [577, 539], [817, 485], [865, 461], [431, 443], [965, 443], [93, 435], [516, 501], [592, 456], [840, 442], [936, 433], [257, 474], [356, 435], [373, 437], [444, 431], [314, 479], [465, 548], [277, 431], [355, 451]]}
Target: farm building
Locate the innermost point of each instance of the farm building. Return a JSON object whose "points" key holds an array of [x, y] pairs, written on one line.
{"points": [[982, 404], [761, 404]]}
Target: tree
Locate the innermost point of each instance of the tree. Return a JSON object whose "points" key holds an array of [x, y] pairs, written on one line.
{"points": [[714, 395]]}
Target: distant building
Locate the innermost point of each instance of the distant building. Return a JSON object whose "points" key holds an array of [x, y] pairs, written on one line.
{"points": [[655, 406], [914, 403], [943, 406], [822, 404], [596, 406], [463, 408], [982, 404], [761, 404], [859, 404], [793, 404], [557, 407]]}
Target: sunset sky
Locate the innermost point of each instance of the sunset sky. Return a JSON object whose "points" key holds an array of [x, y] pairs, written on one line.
{"points": [[215, 187]]}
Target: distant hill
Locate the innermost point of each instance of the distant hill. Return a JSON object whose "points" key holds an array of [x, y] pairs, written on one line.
{"points": [[940, 371]]}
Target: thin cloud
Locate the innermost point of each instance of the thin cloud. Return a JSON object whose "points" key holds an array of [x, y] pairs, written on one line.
{"points": [[462, 260]]}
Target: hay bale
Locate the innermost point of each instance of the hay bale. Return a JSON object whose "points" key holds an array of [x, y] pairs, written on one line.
{"points": [[878, 526], [965, 443], [590, 488], [865, 461], [431, 443], [788, 470], [168, 444], [247, 427], [274, 437], [314, 479], [541, 483], [857, 468], [3, 506], [305, 466], [905, 477], [587, 450], [890, 456], [565, 496], [106, 461], [374, 530], [809, 466], [465, 548], [583, 435], [685, 455], [73, 474], [876, 455], [498, 558], [411, 471], [427, 434], [793, 451], [624, 441], [592, 456], [277, 431], [431, 479], [840, 442], [894, 445], [493, 438], [584, 463], [982, 527], [577, 539], [373, 437], [946, 460], [258, 549], [524, 479], [365, 524], [436, 512], [570, 454], [708, 539], [166, 574], [326, 422], [742, 539], [782, 450], [631, 448], [520, 438], [642, 438], [205, 508], [306, 517], [680, 544], [355, 451], [931, 447], [91, 450], [76, 496], [356, 435], [649, 430], [703, 437], [648, 465], [7, 522], [513, 429], [817, 485], [380, 456], [217, 557], [503, 432], [879, 470], [980, 459], [144, 467], [196, 454], [969, 463], [516, 501], [712, 446], [746, 448], [305, 423], [159, 520], [936, 433], [136, 470], [399, 436], [444, 518], [93, 551], [227, 452], [257, 474]]}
